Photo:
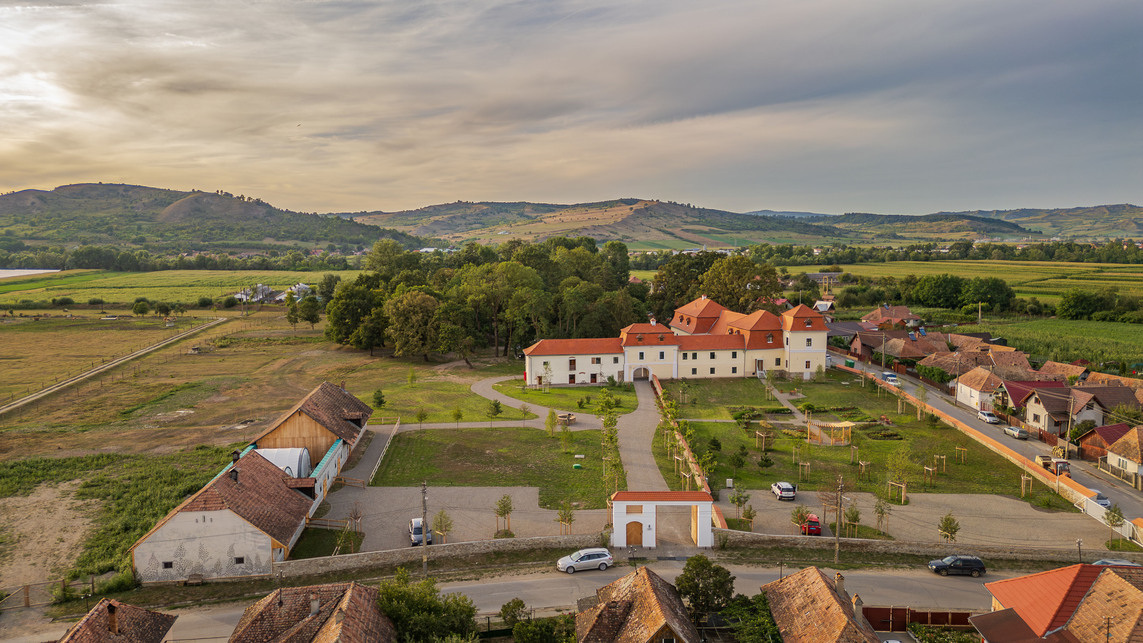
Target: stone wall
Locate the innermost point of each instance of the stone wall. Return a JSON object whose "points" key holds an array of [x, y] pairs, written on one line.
{"points": [[932, 550], [412, 555]]}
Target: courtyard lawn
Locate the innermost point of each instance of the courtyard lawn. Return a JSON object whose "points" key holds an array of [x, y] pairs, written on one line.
{"points": [[499, 457], [439, 398], [567, 398], [711, 399], [316, 542]]}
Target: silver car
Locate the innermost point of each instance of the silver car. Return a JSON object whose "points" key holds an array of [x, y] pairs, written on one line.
{"points": [[593, 558], [415, 533], [1016, 432]]}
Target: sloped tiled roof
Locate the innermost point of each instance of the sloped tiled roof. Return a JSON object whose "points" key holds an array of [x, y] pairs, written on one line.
{"points": [[1110, 397], [874, 338], [956, 363], [1003, 625], [648, 335], [135, 625], [633, 609], [1020, 390], [586, 346], [802, 317], [333, 407], [721, 326], [1112, 609], [261, 496], [1059, 368], [347, 612], [889, 313], [1111, 432], [662, 496], [807, 608], [1045, 601], [980, 379], [711, 342], [701, 314], [1105, 378], [1130, 445]]}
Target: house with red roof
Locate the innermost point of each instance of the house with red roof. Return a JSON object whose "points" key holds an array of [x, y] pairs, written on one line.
{"points": [[1125, 456], [889, 317], [640, 607], [703, 340], [809, 607], [1093, 444], [111, 621]]}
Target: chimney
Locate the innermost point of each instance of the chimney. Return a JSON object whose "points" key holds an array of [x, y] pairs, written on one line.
{"points": [[342, 385], [314, 604], [839, 584], [234, 475], [112, 619], [234, 455]]}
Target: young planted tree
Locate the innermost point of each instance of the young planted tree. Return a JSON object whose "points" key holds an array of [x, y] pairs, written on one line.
{"points": [[442, 524], [948, 528], [550, 423], [798, 515], [565, 516], [881, 509], [525, 410], [457, 415], [494, 410], [749, 514], [736, 462], [922, 394], [1113, 517], [565, 438], [739, 498], [504, 510], [852, 519], [378, 399], [411, 376]]}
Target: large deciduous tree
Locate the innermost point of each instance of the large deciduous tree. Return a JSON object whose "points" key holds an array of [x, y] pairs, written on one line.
{"points": [[705, 586], [411, 328], [676, 283], [420, 613], [740, 284]]}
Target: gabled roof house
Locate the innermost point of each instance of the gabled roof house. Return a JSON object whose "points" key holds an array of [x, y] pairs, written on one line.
{"points": [[111, 621], [640, 607], [342, 612], [810, 608]]}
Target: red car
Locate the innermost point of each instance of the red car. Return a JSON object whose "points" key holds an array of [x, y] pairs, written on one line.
{"points": [[811, 527]]}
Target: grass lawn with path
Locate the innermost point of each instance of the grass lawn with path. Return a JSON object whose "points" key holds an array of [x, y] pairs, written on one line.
{"points": [[500, 457], [711, 399], [567, 398]]}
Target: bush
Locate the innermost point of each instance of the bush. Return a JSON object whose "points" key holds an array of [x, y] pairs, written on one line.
{"points": [[120, 582], [230, 302], [63, 594], [205, 302], [95, 301], [63, 301], [765, 461]]}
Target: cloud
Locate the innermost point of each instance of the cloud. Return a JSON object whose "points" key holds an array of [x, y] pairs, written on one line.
{"points": [[884, 105]]}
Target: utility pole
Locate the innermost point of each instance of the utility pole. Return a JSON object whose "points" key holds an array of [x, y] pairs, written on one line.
{"points": [[425, 528], [837, 522]]}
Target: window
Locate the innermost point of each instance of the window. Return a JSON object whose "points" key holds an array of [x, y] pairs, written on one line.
{"points": [[733, 369], [684, 356], [769, 338], [1036, 418], [545, 364], [712, 370], [662, 355], [694, 355], [596, 360], [239, 560], [694, 371], [712, 354], [809, 342], [809, 323], [807, 364], [733, 354], [777, 361], [640, 355], [167, 564], [614, 360], [571, 364]]}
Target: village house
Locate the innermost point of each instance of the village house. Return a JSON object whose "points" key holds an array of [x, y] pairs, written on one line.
{"points": [[704, 340], [1058, 410], [111, 621], [975, 389], [316, 613], [809, 608], [889, 317], [1015, 393], [1093, 443], [640, 607], [1125, 456]]}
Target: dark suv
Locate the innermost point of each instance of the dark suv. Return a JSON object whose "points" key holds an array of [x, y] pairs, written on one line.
{"points": [[970, 565]]}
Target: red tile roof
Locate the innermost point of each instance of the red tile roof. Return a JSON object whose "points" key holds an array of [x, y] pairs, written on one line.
{"points": [[802, 317], [346, 612], [895, 314], [134, 625], [587, 346], [711, 342], [980, 379], [1112, 609], [1020, 390], [661, 496], [697, 316], [757, 340], [807, 608], [635, 609], [336, 409], [1129, 445], [648, 335], [1058, 368], [1045, 601], [1104, 378], [758, 320]]}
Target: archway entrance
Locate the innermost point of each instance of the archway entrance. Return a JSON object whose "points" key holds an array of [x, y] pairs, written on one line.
{"points": [[641, 373], [634, 512]]}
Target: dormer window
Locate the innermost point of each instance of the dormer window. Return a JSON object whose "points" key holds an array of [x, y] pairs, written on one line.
{"points": [[770, 338], [639, 338], [660, 338], [809, 323]]}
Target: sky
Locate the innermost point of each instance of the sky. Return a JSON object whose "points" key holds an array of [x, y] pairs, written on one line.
{"points": [[888, 106]]}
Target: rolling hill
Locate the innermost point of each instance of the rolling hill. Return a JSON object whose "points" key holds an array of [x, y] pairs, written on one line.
{"points": [[929, 226], [1107, 221]]}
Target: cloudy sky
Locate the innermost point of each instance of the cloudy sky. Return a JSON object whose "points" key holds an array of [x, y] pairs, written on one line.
{"points": [[893, 106]]}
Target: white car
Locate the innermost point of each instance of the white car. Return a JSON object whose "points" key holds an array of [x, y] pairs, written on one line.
{"points": [[783, 490], [1100, 499], [987, 416], [890, 378], [593, 558]]}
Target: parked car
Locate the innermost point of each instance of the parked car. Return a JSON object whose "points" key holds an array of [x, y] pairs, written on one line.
{"points": [[415, 532], [987, 416], [970, 565], [1116, 562], [593, 558], [783, 490], [890, 378], [1100, 499], [812, 526], [1016, 432]]}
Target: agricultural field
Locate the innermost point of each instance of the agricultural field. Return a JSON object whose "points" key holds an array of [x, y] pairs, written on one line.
{"points": [[500, 457], [184, 286], [1067, 340], [1046, 281], [841, 398]]}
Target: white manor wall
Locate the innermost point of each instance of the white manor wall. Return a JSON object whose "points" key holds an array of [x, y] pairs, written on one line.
{"points": [[563, 372]]}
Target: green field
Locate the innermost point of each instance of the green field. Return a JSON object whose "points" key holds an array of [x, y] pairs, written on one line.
{"points": [[499, 457], [1068, 340], [184, 286], [569, 398]]}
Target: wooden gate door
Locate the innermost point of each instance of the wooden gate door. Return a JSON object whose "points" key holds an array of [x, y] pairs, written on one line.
{"points": [[634, 534]]}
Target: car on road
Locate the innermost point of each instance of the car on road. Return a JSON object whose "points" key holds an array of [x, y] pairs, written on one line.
{"points": [[1016, 432], [1116, 562], [890, 378], [987, 416], [812, 526], [415, 532], [592, 558], [1100, 499], [967, 565], [783, 490]]}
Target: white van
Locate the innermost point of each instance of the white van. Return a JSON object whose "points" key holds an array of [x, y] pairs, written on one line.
{"points": [[890, 378]]}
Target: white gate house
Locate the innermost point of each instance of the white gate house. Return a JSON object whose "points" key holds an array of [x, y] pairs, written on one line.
{"points": [[633, 516]]}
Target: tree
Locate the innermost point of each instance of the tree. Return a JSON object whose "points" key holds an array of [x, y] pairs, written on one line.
{"points": [[162, 308], [504, 510], [442, 524], [494, 410], [140, 308], [378, 399], [738, 499], [554, 629], [420, 613], [550, 423], [422, 415], [798, 515], [1113, 517], [371, 332], [736, 461], [705, 586], [327, 287], [938, 291], [293, 316], [948, 527], [749, 514], [752, 620], [898, 465], [881, 509], [853, 517], [309, 310], [411, 328], [565, 516], [513, 612], [525, 410], [351, 303], [740, 284], [922, 395], [411, 376], [457, 415]]}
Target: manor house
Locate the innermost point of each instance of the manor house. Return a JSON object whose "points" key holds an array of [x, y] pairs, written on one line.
{"points": [[703, 340]]}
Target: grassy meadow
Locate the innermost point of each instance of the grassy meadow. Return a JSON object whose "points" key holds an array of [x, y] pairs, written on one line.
{"points": [[568, 398]]}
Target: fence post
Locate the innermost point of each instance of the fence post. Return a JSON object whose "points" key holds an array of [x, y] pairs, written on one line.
{"points": [[27, 597]]}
